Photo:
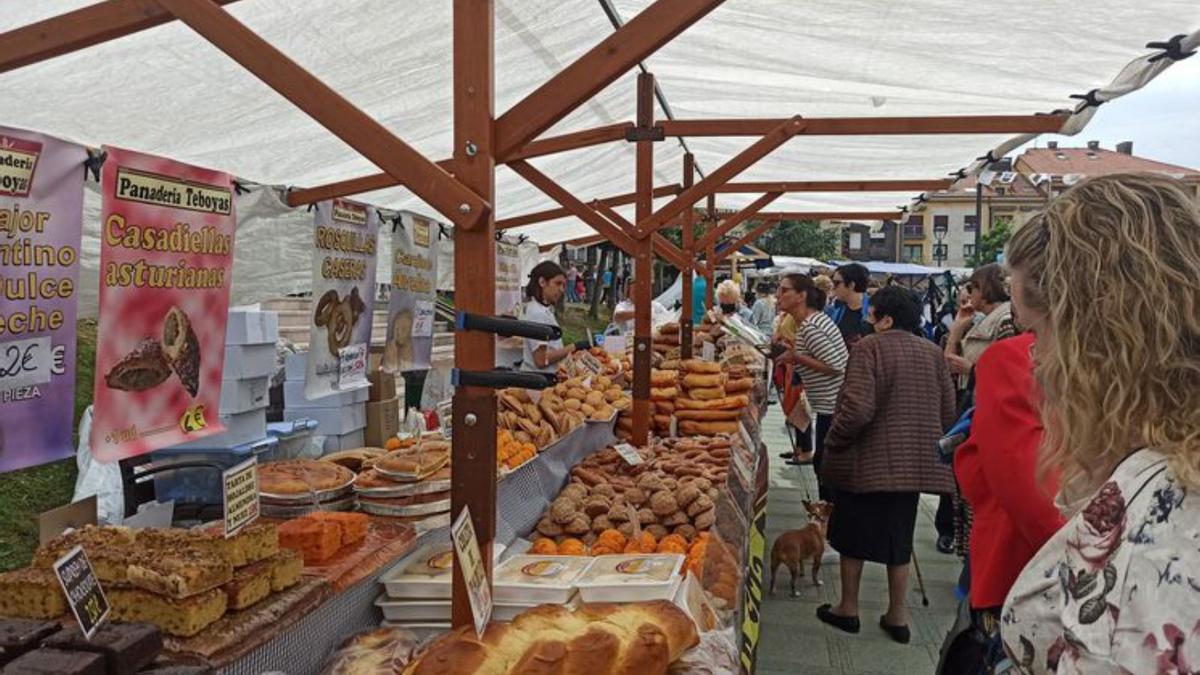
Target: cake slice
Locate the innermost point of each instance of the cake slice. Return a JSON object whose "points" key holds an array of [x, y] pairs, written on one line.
{"points": [[286, 567], [92, 538], [166, 540], [316, 540], [257, 541], [249, 585], [126, 647], [181, 573], [353, 526], [182, 618], [31, 593], [56, 662]]}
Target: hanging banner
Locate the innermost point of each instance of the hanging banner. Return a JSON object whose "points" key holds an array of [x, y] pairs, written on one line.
{"points": [[410, 309], [166, 249], [509, 351], [41, 216], [346, 235]]}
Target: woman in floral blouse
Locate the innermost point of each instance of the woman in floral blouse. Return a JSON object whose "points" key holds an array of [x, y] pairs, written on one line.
{"points": [[1108, 277]]}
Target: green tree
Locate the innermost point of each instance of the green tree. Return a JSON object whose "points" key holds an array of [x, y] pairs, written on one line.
{"points": [[802, 238], [991, 243]]}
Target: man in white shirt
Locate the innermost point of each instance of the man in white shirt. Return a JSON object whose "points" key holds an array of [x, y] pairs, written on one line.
{"points": [[623, 314]]}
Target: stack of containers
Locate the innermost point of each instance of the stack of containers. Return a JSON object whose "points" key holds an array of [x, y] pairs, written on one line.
{"points": [[341, 418], [250, 336]]}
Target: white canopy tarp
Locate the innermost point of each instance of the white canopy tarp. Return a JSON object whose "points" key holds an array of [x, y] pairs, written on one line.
{"points": [[167, 91]]}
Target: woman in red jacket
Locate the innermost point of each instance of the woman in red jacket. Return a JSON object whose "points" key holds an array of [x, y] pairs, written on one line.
{"points": [[996, 467]]}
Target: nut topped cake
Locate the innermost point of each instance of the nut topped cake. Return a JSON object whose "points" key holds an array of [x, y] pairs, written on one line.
{"points": [[301, 476]]}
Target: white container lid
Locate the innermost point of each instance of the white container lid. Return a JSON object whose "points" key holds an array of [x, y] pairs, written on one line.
{"points": [[535, 579], [426, 574], [413, 610], [629, 578]]}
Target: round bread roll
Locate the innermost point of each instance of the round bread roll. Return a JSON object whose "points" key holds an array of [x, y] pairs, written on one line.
{"points": [[703, 380], [699, 366], [706, 393]]}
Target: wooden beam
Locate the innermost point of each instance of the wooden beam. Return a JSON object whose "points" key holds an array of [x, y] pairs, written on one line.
{"points": [[473, 481], [553, 214], [687, 227], [740, 162], [324, 105], [839, 186], [726, 226], [582, 241], [572, 204], [599, 67], [775, 216], [750, 236], [353, 186], [872, 126], [663, 247], [571, 141], [643, 263], [82, 28]]}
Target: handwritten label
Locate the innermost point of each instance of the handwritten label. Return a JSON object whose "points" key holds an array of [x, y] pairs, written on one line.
{"points": [[82, 589], [466, 546], [423, 319], [591, 363], [352, 366], [628, 453], [24, 363], [240, 485], [708, 352]]}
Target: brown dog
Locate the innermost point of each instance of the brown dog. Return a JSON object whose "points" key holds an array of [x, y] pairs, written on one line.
{"points": [[794, 546]]}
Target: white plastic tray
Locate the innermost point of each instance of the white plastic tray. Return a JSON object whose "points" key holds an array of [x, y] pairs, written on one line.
{"points": [[617, 578], [428, 583], [414, 610], [537, 579]]}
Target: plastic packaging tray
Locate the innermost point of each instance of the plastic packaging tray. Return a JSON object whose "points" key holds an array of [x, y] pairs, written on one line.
{"points": [[413, 610], [631, 578], [272, 510], [503, 612], [412, 477], [307, 497], [537, 579], [406, 490], [425, 574], [429, 509]]}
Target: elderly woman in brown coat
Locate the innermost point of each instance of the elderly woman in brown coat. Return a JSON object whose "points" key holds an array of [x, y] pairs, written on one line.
{"points": [[880, 454]]}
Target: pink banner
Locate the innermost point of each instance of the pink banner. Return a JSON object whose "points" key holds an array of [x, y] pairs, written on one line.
{"points": [[166, 250], [41, 214]]}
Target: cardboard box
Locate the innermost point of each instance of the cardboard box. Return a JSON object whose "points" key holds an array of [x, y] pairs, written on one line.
{"points": [[246, 362], [383, 421], [383, 385], [240, 429], [295, 366], [247, 326], [293, 397], [332, 421], [350, 441], [239, 396]]}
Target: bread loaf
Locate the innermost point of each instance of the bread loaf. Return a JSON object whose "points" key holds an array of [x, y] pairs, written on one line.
{"points": [[698, 366], [598, 639], [703, 380]]}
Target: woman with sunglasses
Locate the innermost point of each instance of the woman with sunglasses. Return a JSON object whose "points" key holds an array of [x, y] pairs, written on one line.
{"points": [[985, 318]]}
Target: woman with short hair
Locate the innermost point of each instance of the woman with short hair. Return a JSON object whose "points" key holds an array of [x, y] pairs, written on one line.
{"points": [[1108, 278]]}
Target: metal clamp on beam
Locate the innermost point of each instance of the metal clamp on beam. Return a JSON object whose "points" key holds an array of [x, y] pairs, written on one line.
{"points": [[500, 379], [651, 134], [506, 327]]}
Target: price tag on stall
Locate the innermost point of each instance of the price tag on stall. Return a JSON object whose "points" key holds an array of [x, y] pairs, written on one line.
{"points": [[24, 363], [591, 363], [240, 487], [628, 453], [708, 352], [352, 367], [423, 319], [445, 413], [466, 546], [82, 588]]}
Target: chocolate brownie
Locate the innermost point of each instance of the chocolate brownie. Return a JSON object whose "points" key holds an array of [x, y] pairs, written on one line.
{"points": [[18, 636], [126, 647], [56, 662]]}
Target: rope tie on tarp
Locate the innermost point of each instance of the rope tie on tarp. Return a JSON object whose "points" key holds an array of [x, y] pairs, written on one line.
{"points": [[442, 232], [92, 164], [397, 222], [239, 189], [1171, 49], [521, 239], [958, 175], [1089, 100], [989, 158]]}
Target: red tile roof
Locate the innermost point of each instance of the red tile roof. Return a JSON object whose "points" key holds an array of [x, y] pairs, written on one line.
{"points": [[1060, 161]]}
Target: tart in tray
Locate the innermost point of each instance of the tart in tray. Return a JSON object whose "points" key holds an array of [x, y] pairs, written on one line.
{"points": [[297, 479]]}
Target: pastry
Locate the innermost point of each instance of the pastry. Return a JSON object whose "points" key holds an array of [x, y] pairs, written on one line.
{"points": [[708, 415], [126, 647], [249, 585], [340, 327], [31, 593], [412, 465], [738, 385], [183, 618], [301, 476], [352, 526], [183, 573], [706, 393], [182, 349], [286, 567], [165, 541], [316, 540], [698, 380], [707, 428], [142, 368], [728, 403], [324, 306], [56, 662], [355, 459], [699, 366]]}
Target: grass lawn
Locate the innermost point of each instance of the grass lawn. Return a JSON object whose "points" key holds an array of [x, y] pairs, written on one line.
{"points": [[25, 494], [575, 322]]}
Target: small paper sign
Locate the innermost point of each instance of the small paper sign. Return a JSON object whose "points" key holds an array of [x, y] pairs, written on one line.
{"points": [[708, 352], [352, 366], [423, 319], [29, 362], [591, 363], [82, 589], [471, 563], [241, 495], [445, 413], [629, 454]]}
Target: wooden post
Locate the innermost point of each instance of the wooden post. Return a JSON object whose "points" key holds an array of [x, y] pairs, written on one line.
{"points": [[473, 482], [643, 260], [710, 256], [686, 226]]}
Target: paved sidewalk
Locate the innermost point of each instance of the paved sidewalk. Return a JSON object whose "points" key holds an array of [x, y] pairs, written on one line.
{"points": [[793, 641]]}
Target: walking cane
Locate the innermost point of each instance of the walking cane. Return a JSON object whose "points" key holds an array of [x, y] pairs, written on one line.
{"points": [[920, 581]]}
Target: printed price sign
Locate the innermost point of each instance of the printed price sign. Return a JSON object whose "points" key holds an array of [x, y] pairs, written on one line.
{"points": [[708, 352], [82, 589], [591, 363], [445, 413], [466, 546], [352, 366], [240, 485], [629, 454], [28, 362], [423, 319]]}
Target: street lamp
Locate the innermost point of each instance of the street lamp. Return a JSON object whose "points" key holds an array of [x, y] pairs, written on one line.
{"points": [[939, 235]]}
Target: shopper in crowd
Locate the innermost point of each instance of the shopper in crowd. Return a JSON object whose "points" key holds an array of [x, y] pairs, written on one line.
{"points": [[580, 289], [984, 320], [819, 357], [547, 284], [996, 470], [624, 314], [880, 454], [606, 285], [572, 278], [729, 299], [825, 285], [1106, 277], [851, 305], [699, 291], [762, 314]]}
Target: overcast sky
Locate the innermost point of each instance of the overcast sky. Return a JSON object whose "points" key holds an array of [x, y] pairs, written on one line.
{"points": [[1162, 119]]}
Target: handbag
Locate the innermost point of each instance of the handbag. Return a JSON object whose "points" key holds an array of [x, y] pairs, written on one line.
{"points": [[795, 403]]}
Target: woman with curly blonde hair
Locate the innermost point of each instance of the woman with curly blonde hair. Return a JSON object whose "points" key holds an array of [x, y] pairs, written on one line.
{"points": [[1108, 278]]}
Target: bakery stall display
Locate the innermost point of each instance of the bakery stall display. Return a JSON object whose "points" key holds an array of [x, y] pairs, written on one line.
{"points": [[589, 362], [296, 486], [706, 405], [44, 647]]}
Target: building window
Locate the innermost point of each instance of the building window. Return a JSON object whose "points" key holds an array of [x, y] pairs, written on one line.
{"points": [[970, 223], [914, 253], [968, 250], [856, 241], [914, 227], [941, 222]]}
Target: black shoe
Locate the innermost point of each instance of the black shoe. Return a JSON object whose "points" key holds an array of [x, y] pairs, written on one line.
{"points": [[900, 634], [848, 624], [786, 455], [945, 544], [799, 462]]}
